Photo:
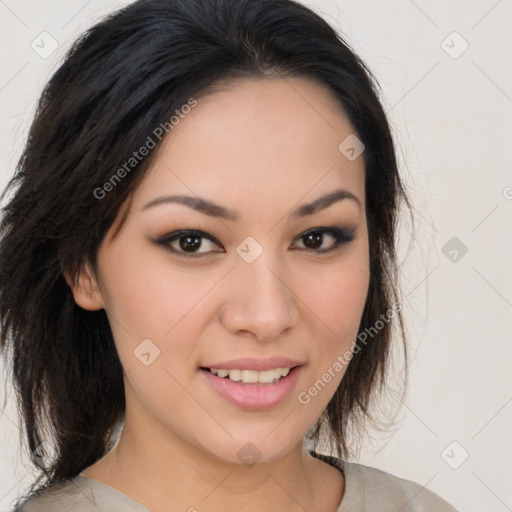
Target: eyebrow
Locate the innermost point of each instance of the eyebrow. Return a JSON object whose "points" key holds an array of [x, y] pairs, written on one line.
{"points": [[214, 210]]}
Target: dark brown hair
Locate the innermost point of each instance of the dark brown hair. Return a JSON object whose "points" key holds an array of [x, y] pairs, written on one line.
{"points": [[120, 80]]}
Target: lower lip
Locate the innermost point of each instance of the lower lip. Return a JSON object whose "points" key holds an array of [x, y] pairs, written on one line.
{"points": [[253, 397]]}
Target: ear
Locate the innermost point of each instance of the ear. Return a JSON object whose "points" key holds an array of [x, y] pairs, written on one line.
{"points": [[86, 291]]}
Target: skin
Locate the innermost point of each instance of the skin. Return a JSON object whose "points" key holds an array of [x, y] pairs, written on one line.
{"points": [[261, 148]]}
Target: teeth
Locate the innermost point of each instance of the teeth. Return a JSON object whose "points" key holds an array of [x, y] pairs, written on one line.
{"points": [[252, 376], [266, 376], [235, 375]]}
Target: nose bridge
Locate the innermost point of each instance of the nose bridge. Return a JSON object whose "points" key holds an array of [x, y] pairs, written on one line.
{"points": [[261, 302]]}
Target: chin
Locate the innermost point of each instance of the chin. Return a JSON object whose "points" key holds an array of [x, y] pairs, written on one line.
{"points": [[248, 451]]}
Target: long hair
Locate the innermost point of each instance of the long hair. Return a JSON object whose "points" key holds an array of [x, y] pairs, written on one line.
{"points": [[123, 78]]}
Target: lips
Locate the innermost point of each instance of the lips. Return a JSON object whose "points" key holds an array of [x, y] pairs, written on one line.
{"points": [[253, 394]]}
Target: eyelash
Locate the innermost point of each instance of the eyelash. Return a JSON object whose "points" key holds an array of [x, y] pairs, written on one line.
{"points": [[341, 237]]}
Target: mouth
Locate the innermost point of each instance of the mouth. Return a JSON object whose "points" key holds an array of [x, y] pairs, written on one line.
{"points": [[252, 389]]}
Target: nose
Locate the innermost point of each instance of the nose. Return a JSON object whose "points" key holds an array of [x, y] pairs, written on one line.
{"points": [[260, 300]]}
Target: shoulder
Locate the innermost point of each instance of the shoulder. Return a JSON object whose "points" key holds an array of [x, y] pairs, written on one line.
{"points": [[79, 494], [373, 489], [369, 489], [65, 495]]}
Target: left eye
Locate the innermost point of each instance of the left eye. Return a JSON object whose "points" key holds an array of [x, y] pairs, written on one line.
{"points": [[314, 238], [196, 243]]}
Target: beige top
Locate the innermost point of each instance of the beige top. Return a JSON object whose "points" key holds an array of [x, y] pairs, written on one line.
{"points": [[367, 489]]}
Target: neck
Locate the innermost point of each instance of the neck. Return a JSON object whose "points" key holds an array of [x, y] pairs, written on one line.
{"points": [[183, 477]]}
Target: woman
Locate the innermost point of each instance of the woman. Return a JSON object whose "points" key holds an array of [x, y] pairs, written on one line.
{"points": [[201, 234]]}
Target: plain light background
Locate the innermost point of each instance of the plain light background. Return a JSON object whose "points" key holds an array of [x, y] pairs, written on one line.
{"points": [[446, 79]]}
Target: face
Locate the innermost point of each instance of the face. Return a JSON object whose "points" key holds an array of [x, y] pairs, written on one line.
{"points": [[265, 266]]}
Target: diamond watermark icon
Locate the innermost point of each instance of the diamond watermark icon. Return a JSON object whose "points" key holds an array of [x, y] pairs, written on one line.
{"points": [[249, 249], [351, 147], [454, 45], [146, 352], [454, 455], [39, 454], [44, 45], [249, 454], [454, 249]]}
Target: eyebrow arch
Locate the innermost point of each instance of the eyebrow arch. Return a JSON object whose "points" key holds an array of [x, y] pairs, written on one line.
{"points": [[214, 210]]}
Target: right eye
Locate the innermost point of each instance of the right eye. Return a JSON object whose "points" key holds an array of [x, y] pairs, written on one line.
{"points": [[189, 242]]}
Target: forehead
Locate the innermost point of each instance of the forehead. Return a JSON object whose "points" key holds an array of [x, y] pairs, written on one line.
{"points": [[274, 138]]}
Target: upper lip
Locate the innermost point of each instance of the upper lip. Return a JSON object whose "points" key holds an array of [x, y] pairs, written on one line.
{"points": [[249, 363]]}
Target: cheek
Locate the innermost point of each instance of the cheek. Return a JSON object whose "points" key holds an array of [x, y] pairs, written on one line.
{"points": [[336, 307], [148, 300], [337, 300], [155, 316], [151, 298]]}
